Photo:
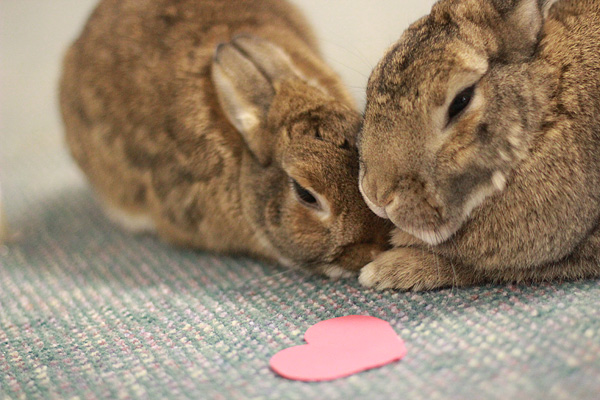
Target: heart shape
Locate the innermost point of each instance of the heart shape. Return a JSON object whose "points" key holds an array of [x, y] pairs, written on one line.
{"points": [[340, 347]]}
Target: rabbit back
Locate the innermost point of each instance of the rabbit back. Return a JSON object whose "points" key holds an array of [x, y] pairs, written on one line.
{"points": [[141, 114]]}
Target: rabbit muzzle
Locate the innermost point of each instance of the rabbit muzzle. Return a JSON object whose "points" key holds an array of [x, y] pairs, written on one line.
{"points": [[410, 204]]}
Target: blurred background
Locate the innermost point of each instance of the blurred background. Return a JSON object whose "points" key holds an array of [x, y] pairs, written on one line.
{"points": [[35, 33]]}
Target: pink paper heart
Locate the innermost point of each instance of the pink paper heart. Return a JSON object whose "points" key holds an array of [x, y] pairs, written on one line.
{"points": [[340, 347]]}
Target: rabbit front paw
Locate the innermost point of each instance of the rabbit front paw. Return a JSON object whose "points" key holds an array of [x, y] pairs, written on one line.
{"points": [[415, 269]]}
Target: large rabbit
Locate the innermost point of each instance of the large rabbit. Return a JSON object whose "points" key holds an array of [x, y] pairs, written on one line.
{"points": [[481, 143], [243, 147]]}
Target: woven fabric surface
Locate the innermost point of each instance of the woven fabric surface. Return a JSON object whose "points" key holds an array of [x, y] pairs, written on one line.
{"points": [[89, 311]]}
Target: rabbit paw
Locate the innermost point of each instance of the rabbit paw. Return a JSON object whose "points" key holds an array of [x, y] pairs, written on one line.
{"points": [[336, 272], [408, 269]]}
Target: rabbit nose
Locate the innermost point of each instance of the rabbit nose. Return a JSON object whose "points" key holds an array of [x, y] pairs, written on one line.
{"points": [[367, 190]]}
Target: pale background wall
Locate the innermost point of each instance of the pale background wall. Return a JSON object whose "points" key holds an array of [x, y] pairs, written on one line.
{"points": [[34, 33], [355, 33]]}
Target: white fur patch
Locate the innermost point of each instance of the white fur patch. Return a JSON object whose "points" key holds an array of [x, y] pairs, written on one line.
{"points": [[337, 272], [136, 223], [432, 237], [316, 84], [503, 155], [324, 213], [477, 199], [368, 275], [247, 121], [499, 180], [516, 142], [286, 262]]}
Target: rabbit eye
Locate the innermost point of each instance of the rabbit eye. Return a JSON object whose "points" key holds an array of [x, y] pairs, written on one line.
{"points": [[460, 102], [304, 196]]}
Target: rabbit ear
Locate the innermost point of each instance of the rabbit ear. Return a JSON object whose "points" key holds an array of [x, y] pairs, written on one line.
{"points": [[271, 59], [524, 22], [244, 72], [546, 5]]}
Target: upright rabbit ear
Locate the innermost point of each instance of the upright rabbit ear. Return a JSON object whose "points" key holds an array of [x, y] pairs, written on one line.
{"points": [[524, 23], [244, 72]]}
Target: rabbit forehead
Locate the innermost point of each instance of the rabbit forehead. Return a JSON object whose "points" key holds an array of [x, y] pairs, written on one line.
{"points": [[412, 87], [305, 111], [433, 49], [321, 166], [325, 123], [417, 107], [425, 71]]}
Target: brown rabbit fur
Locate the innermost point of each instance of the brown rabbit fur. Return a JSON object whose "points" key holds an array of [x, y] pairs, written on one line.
{"points": [[481, 143], [151, 110]]}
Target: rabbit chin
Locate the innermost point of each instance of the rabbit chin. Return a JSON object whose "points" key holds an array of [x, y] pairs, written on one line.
{"points": [[432, 237]]}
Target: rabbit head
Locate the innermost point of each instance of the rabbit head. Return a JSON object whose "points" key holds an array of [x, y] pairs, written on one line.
{"points": [[452, 108], [299, 173]]}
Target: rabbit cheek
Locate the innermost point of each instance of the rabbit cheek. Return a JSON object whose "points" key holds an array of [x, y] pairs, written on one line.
{"points": [[296, 232], [261, 192], [292, 229], [310, 236], [466, 191], [435, 213]]}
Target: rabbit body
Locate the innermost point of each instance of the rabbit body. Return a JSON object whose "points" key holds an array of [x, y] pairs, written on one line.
{"points": [[247, 149], [481, 142]]}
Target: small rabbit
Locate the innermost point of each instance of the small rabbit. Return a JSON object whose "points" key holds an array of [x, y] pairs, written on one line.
{"points": [[481, 143], [217, 125]]}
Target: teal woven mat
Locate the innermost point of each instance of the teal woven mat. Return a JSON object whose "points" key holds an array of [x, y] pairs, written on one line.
{"points": [[87, 311]]}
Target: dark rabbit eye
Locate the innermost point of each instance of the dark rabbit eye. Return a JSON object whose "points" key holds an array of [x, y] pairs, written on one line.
{"points": [[304, 195], [460, 102]]}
